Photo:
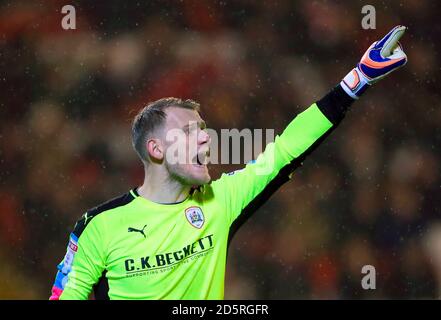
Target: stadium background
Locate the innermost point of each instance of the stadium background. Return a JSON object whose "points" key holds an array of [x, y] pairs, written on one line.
{"points": [[369, 195]]}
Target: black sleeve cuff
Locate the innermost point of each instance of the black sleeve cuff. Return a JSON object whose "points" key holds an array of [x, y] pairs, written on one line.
{"points": [[335, 104]]}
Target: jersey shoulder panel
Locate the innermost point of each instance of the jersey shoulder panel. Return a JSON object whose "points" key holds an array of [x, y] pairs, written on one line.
{"points": [[111, 204]]}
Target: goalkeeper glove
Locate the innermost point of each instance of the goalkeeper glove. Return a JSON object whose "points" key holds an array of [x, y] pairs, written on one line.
{"points": [[379, 60]]}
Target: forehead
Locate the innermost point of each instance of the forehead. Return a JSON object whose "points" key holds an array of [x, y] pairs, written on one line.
{"points": [[179, 117]]}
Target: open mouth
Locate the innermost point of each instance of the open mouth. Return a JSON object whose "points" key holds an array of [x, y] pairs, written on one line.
{"points": [[202, 159]]}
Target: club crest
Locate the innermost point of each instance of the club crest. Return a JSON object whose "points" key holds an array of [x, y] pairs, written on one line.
{"points": [[195, 216]]}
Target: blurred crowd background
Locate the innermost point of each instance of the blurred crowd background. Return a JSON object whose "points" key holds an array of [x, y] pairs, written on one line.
{"points": [[370, 195]]}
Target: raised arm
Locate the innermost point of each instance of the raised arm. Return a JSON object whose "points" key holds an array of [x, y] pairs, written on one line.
{"points": [[243, 191]]}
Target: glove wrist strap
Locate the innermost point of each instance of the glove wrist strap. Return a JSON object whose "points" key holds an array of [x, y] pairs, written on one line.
{"points": [[354, 83]]}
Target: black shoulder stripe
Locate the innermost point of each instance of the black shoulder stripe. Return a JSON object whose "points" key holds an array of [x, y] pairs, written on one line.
{"points": [[91, 213], [281, 178]]}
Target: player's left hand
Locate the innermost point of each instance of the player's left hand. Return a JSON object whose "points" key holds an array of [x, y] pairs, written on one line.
{"points": [[382, 57]]}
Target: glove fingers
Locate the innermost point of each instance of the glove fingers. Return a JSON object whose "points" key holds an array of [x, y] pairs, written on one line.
{"points": [[380, 43], [390, 41], [398, 55]]}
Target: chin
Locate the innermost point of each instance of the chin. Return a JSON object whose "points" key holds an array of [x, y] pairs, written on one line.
{"points": [[201, 179], [194, 175]]}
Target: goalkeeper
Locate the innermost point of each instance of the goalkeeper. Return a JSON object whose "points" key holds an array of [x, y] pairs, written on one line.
{"points": [[168, 238]]}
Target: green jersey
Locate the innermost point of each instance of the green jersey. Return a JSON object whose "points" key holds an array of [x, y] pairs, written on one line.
{"points": [[133, 248]]}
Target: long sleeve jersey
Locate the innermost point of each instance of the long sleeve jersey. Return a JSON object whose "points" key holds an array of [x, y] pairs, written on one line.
{"points": [[133, 248]]}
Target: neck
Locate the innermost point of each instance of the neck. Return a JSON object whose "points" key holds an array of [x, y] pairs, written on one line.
{"points": [[159, 188]]}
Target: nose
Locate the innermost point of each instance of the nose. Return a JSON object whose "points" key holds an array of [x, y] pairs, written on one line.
{"points": [[204, 137]]}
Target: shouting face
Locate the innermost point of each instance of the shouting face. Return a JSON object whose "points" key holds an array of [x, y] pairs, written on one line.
{"points": [[186, 147]]}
